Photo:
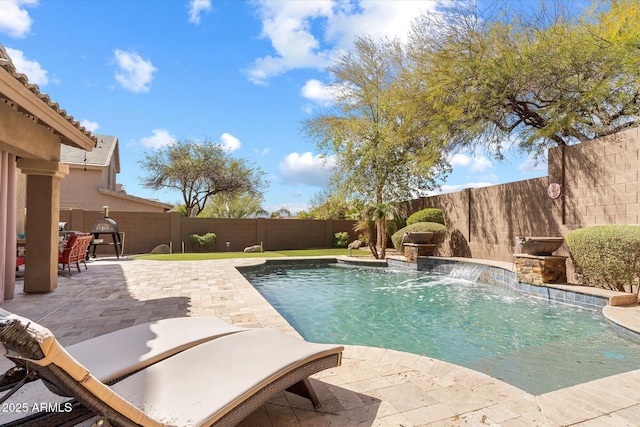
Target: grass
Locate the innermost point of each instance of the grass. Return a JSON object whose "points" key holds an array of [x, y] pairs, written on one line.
{"points": [[268, 254]]}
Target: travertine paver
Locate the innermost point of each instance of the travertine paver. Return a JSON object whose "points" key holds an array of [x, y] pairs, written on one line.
{"points": [[373, 387]]}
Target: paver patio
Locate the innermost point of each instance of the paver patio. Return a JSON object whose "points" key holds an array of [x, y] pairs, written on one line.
{"points": [[373, 387]]}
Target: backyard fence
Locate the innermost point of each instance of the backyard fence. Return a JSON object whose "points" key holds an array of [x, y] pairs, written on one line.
{"points": [[146, 230], [599, 185]]}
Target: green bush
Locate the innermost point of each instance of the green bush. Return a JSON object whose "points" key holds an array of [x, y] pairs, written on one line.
{"points": [[341, 239], [426, 215], [606, 256], [204, 243], [439, 230]]}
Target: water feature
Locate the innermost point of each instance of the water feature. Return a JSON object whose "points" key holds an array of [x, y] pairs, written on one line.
{"points": [[533, 344], [466, 271]]}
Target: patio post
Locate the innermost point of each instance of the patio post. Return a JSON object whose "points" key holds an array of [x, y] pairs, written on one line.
{"points": [[43, 215]]}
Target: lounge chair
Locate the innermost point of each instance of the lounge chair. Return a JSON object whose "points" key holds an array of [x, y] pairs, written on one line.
{"points": [[115, 355], [218, 382]]}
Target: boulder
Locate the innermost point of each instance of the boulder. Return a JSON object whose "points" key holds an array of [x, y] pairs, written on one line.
{"points": [[356, 244], [161, 249], [254, 248]]}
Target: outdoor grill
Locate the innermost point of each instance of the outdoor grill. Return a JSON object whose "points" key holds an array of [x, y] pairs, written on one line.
{"points": [[104, 226]]}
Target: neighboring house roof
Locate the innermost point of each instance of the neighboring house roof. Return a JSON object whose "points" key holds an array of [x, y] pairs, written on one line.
{"points": [[51, 116], [125, 196], [101, 156]]}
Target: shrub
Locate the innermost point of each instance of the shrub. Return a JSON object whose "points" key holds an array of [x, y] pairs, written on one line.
{"points": [[439, 230], [341, 239], [204, 243], [606, 256], [426, 215]]}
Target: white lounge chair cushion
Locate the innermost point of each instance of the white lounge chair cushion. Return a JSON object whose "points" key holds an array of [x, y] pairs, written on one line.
{"points": [[121, 352], [124, 351], [56, 354], [201, 384]]}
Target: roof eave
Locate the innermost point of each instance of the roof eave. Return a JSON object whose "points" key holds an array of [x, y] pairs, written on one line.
{"points": [[30, 101]]}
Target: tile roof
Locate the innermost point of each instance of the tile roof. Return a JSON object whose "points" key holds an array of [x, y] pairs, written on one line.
{"points": [[7, 65], [101, 155]]}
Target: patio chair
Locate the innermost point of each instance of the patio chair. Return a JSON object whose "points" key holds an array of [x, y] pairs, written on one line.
{"points": [[218, 382], [73, 251]]}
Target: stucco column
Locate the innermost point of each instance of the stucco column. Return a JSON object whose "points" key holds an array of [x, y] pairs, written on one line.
{"points": [[43, 215]]}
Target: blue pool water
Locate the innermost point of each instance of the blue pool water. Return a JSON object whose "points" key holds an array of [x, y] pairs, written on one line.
{"points": [[536, 345]]}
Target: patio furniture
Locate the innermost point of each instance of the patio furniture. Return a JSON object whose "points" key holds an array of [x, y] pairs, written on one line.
{"points": [[75, 251], [117, 354], [218, 382]]}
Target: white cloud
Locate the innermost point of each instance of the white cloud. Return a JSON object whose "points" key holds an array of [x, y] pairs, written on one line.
{"points": [[288, 25], [305, 34], [378, 19], [32, 69], [262, 152], [229, 142], [196, 7], [474, 163], [160, 138], [306, 169], [134, 73], [317, 91], [458, 187], [14, 19], [90, 126], [533, 165]]}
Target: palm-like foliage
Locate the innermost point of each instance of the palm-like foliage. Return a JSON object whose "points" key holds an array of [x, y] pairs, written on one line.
{"points": [[379, 216], [281, 213], [366, 230]]}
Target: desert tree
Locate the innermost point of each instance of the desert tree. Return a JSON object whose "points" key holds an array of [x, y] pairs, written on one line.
{"points": [[528, 79], [382, 150], [200, 170]]}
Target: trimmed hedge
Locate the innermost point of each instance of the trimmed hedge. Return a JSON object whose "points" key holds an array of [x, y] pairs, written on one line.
{"points": [[439, 230], [426, 215], [340, 239], [204, 243], [606, 256]]}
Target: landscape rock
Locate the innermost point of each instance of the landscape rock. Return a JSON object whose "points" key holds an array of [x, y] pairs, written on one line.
{"points": [[356, 244], [254, 248], [161, 249]]}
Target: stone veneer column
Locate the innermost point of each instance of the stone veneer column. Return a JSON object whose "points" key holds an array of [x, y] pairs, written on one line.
{"points": [[43, 215], [539, 270]]}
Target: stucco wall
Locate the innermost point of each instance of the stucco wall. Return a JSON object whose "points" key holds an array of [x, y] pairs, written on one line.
{"points": [[79, 189]]}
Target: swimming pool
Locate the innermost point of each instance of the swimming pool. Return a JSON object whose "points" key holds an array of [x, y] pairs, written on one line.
{"points": [[536, 345]]}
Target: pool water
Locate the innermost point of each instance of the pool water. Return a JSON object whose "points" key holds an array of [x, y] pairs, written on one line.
{"points": [[536, 345]]}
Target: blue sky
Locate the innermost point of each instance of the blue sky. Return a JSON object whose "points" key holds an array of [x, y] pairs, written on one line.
{"points": [[244, 74]]}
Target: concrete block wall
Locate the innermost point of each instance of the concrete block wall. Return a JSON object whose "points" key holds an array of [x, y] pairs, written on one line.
{"points": [[600, 185], [145, 230]]}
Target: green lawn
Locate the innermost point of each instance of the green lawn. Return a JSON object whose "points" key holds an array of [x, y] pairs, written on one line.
{"points": [[269, 254]]}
